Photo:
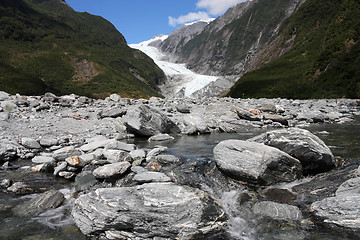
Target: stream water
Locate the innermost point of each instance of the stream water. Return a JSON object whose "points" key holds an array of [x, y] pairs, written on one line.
{"points": [[344, 141]]}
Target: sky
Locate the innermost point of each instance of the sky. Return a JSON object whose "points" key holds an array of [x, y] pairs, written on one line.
{"points": [[140, 20]]}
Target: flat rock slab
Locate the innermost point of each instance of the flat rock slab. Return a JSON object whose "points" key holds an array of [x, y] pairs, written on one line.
{"points": [[314, 155], [147, 177], [256, 163], [162, 210], [112, 170]]}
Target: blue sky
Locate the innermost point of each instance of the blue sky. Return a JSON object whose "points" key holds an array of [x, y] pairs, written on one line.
{"points": [[140, 20]]}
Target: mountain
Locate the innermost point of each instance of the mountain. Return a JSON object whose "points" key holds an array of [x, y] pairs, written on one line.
{"points": [[226, 45], [47, 46], [316, 54]]}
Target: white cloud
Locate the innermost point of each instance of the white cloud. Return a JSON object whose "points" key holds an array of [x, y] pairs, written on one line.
{"points": [[190, 17], [216, 7], [213, 8]]}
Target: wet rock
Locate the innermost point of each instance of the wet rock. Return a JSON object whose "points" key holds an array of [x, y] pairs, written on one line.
{"points": [[314, 155], [45, 201], [167, 159], [144, 121], [147, 177], [67, 175], [279, 195], [112, 170], [150, 210], [47, 167], [65, 152], [277, 211], [30, 143], [350, 187], [255, 162], [20, 188], [85, 180], [161, 137]]}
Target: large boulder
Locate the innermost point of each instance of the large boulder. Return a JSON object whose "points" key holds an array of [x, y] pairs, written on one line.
{"points": [[144, 121], [256, 163], [343, 209], [162, 210], [314, 155]]}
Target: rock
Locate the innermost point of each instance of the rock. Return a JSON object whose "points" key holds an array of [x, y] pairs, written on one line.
{"points": [[20, 188], [255, 162], [43, 159], [8, 150], [30, 143], [314, 155], [342, 210], [45, 201], [59, 168], [95, 145], [147, 177], [113, 112], [243, 114], [154, 152], [114, 156], [267, 108], [4, 96], [167, 159], [50, 97], [276, 118], [138, 154], [182, 108], [8, 106], [161, 137], [277, 211], [4, 116], [112, 170], [195, 125], [77, 116], [163, 210], [120, 146], [47, 167], [48, 142], [144, 121], [63, 153], [349, 187], [279, 195], [5, 183], [67, 175], [85, 180], [115, 97]]}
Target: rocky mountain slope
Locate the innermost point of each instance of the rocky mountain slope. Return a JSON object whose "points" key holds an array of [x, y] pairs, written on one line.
{"points": [[321, 42], [47, 46], [227, 44]]}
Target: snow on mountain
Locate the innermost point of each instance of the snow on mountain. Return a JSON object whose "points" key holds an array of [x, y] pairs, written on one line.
{"points": [[206, 21], [181, 81]]}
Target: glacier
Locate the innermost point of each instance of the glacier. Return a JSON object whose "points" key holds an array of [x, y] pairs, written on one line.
{"points": [[181, 81]]}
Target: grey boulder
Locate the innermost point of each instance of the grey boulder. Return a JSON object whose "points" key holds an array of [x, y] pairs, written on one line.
{"points": [[162, 210], [147, 177], [343, 209], [144, 121], [256, 163], [277, 211], [112, 170], [314, 155]]}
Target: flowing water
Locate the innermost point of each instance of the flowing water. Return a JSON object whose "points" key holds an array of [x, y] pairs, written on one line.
{"points": [[344, 141]]}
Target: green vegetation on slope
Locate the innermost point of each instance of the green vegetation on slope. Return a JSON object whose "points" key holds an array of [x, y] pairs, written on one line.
{"points": [[46, 46], [324, 60]]}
